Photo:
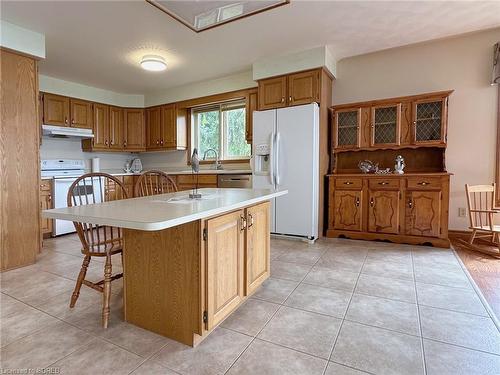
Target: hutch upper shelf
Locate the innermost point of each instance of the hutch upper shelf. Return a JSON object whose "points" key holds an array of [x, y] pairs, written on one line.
{"points": [[410, 121]]}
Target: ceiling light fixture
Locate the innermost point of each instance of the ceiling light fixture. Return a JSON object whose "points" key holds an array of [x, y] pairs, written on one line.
{"points": [[153, 63]]}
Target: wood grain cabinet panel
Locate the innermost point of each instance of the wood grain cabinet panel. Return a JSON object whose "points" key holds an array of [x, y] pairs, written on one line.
{"points": [[383, 211], [257, 251], [153, 120], [81, 113], [46, 204], [423, 213], [116, 128], [55, 110], [251, 106], [303, 88], [134, 133], [168, 128], [19, 150], [224, 265], [272, 93], [348, 209], [101, 128]]}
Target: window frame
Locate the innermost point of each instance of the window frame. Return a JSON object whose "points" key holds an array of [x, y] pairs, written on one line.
{"points": [[240, 103]]}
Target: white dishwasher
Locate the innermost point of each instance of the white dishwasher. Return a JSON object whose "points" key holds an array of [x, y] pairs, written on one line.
{"points": [[243, 181]]}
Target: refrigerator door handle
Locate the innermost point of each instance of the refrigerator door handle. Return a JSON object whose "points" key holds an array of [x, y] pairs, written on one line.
{"points": [[271, 162], [276, 158]]}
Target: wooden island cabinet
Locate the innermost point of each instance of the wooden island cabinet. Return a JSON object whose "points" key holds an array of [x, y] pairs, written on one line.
{"points": [[187, 267], [408, 208]]}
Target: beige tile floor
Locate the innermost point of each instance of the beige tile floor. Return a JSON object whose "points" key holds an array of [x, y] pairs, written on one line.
{"points": [[335, 307]]}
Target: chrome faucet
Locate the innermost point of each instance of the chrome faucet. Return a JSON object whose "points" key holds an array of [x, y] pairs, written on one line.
{"points": [[217, 164]]}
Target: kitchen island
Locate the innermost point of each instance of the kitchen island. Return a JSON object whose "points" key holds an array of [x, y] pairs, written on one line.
{"points": [[187, 264]]}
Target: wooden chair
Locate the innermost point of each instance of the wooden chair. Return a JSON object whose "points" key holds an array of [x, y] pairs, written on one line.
{"points": [[154, 182], [97, 240], [480, 203]]}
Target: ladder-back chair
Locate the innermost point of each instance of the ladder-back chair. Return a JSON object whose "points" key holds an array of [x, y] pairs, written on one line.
{"points": [[481, 206], [154, 182], [97, 240]]}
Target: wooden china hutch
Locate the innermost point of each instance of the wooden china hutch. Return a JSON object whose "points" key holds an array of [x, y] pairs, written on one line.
{"points": [[409, 208]]}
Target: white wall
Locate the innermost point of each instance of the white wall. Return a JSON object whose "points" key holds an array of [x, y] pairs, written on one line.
{"points": [[229, 83], [463, 64], [294, 62], [23, 40], [70, 148], [77, 90]]}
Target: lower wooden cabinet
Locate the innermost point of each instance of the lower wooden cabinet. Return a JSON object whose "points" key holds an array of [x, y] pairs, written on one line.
{"points": [[257, 255], [406, 209], [423, 213], [383, 211], [348, 209], [46, 203], [224, 249], [189, 181], [181, 282]]}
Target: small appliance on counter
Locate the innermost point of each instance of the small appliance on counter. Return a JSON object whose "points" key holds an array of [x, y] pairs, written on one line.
{"points": [[96, 165], [136, 166]]}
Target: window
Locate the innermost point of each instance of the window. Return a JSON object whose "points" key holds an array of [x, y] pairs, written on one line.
{"points": [[221, 127]]}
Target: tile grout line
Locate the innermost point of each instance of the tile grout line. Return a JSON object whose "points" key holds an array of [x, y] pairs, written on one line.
{"points": [[281, 306], [422, 348], [345, 314]]}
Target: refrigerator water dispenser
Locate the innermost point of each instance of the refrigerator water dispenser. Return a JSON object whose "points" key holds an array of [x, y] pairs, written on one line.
{"points": [[262, 160]]}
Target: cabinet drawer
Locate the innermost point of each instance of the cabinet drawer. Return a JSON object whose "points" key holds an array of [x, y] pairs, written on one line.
{"points": [[427, 183], [384, 183], [45, 185], [348, 183], [203, 179]]}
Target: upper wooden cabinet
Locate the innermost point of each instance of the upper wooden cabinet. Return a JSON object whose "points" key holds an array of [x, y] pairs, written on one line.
{"points": [[411, 121], [251, 106], [166, 128], [133, 130], [101, 129], [303, 88], [272, 93], [116, 139], [81, 113], [55, 110], [291, 89], [63, 111]]}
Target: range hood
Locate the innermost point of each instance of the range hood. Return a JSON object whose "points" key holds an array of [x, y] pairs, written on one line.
{"points": [[66, 132]]}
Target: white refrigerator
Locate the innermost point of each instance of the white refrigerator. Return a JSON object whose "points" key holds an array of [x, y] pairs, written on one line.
{"points": [[286, 156]]}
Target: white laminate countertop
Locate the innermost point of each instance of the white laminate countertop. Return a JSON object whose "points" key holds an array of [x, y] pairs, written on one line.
{"points": [[116, 172], [163, 211]]}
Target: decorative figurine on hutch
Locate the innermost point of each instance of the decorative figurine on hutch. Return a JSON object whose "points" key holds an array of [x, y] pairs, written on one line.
{"points": [[400, 165], [195, 168]]}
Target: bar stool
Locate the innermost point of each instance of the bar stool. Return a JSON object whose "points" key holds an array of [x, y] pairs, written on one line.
{"points": [[154, 182]]}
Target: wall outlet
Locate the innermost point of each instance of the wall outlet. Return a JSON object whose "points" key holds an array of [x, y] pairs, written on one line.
{"points": [[462, 212]]}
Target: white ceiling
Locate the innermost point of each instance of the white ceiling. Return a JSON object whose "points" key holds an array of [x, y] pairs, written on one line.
{"points": [[100, 43]]}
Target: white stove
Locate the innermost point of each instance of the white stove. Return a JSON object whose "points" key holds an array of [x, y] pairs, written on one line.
{"points": [[64, 172], [62, 168]]}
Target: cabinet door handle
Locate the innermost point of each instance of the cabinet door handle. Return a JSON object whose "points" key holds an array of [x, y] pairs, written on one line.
{"points": [[357, 202], [289, 99], [49, 197], [111, 143], [125, 144], [161, 142], [383, 183], [243, 223], [73, 121], [282, 100], [157, 141], [423, 183], [66, 120], [348, 183], [106, 142], [372, 202], [410, 203], [250, 220]]}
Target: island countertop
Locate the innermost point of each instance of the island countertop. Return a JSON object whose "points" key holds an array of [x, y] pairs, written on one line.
{"points": [[163, 211]]}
